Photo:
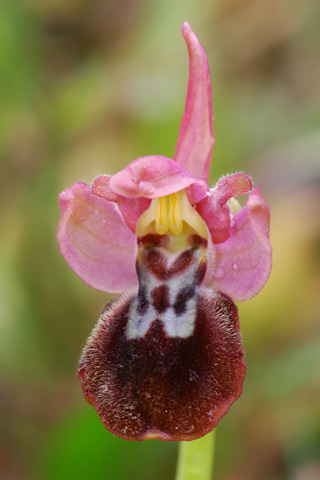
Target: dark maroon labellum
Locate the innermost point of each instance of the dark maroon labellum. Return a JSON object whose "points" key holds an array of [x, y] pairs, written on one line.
{"points": [[166, 362]]}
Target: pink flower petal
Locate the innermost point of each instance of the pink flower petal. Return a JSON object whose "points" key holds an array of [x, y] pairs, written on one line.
{"points": [[197, 191], [196, 140], [101, 187], [151, 177], [131, 208], [95, 241], [243, 262], [214, 208]]}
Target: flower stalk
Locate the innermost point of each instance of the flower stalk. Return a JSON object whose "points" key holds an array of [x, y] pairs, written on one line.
{"points": [[195, 461]]}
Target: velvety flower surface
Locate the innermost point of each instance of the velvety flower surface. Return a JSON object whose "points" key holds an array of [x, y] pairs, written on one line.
{"points": [[165, 359]]}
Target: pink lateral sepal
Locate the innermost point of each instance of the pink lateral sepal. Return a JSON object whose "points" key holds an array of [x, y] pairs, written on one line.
{"points": [[214, 208], [195, 141], [95, 241], [243, 262]]}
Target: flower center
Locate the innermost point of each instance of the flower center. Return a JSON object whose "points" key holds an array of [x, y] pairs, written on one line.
{"points": [[171, 265], [172, 215]]}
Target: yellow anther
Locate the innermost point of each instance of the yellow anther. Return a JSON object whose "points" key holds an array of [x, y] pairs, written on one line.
{"points": [[175, 213], [169, 214], [161, 220]]}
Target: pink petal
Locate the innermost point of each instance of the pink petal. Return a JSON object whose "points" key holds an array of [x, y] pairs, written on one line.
{"points": [[243, 262], [131, 208], [101, 187], [95, 241], [197, 191], [196, 140], [214, 208], [151, 177]]}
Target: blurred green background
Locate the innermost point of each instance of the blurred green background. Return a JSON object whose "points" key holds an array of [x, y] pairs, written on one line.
{"points": [[88, 86]]}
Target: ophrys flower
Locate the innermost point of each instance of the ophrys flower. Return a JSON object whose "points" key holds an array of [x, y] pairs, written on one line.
{"points": [[165, 359]]}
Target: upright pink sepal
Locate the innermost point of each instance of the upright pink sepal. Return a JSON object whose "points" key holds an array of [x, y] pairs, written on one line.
{"points": [[215, 210], [95, 241], [243, 262], [195, 141], [151, 177], [131, 208]]}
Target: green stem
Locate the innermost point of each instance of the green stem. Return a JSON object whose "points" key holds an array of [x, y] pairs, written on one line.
{"points": [[195, 460]]}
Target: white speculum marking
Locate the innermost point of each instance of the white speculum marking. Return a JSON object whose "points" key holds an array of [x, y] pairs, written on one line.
{"points": [[181, 326], [176, 324], [167, 292]]}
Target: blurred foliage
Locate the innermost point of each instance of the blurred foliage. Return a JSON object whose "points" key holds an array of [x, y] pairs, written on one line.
{"points": [[86, 87]]}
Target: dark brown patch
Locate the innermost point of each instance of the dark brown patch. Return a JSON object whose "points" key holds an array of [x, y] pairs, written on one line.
{"points": [[200, 273], [183, 261], [160, 298], [196, 241], [153, 240], [183, 296], [156, 263], [143, 303]]}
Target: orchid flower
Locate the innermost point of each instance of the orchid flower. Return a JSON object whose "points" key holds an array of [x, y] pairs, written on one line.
{"points": [[165, 359]]}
